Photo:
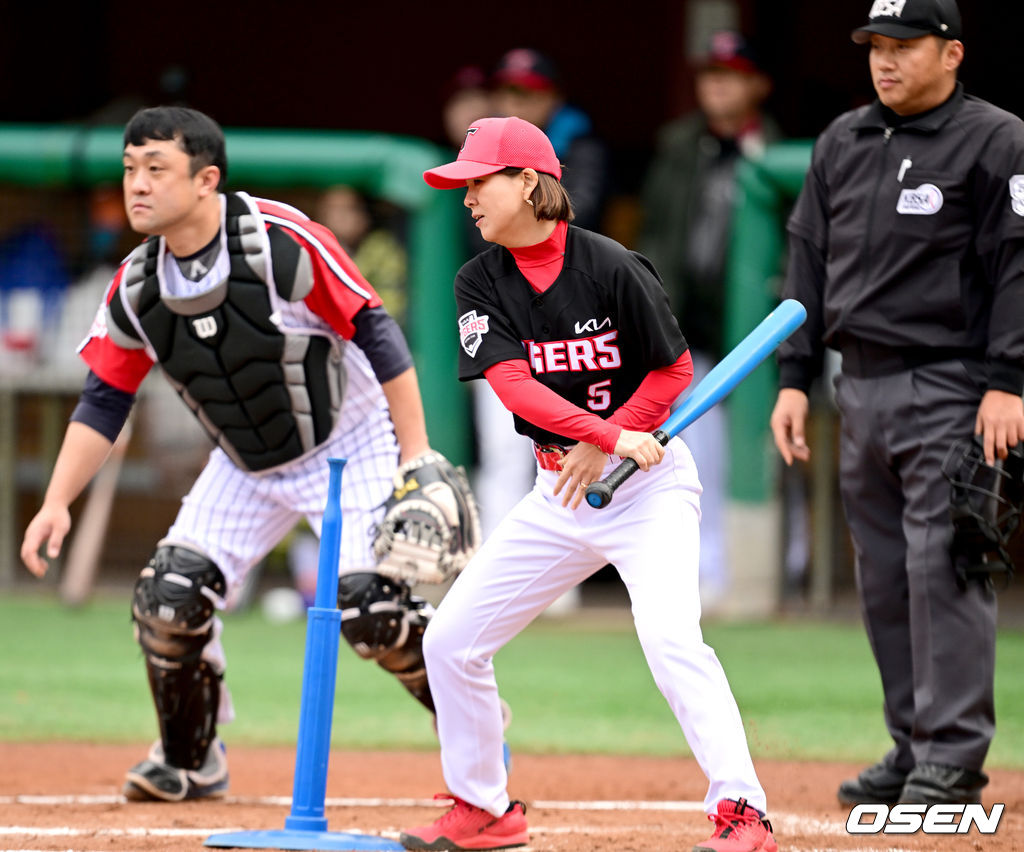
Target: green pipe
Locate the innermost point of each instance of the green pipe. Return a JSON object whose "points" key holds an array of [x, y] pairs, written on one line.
{"points": [[435, 239], [386, 166], [765, 189]]}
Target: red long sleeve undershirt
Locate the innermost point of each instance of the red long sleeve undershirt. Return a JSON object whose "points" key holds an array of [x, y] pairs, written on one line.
{"points": [[518, 391]]}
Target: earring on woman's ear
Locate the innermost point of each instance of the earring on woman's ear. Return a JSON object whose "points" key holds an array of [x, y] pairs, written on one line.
{"points": [[530, 201]]}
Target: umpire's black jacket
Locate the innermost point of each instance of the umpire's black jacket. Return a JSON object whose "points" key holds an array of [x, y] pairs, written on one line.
{"points": [[907, 243]]}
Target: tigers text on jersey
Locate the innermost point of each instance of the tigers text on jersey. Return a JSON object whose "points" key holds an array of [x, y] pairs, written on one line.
{"points": [[591, 337]]}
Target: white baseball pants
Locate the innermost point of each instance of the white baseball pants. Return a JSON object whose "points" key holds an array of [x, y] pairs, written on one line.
{"points": [[650, 532]]}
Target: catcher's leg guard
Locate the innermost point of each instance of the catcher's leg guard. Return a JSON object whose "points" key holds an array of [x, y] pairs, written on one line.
{"points": [[382, 621], [173, 609]]}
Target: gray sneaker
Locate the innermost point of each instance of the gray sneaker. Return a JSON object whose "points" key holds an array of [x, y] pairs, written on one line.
{"points": [[155, 780]]}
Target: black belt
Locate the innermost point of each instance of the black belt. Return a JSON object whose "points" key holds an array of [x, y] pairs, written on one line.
{"points": [[865, 360]]}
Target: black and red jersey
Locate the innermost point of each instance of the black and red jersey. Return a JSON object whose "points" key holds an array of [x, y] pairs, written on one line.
{"points": [[591, 337]]}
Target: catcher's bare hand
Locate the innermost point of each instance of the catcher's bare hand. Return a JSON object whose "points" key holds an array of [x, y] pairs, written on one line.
{"points": [[582, 465], [50, 525]]}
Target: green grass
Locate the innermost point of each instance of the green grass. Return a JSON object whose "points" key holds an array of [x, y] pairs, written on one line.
{"points": [[806, 690]]}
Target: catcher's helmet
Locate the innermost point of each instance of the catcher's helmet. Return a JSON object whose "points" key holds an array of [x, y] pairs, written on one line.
{"points": [[985, 506]]}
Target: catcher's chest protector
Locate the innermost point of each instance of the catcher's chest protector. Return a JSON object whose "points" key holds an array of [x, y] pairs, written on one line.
{"points": [[265, 397]]}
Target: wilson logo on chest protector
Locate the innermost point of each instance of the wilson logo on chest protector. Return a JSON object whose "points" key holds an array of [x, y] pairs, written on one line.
{"points": [[205, 326]]}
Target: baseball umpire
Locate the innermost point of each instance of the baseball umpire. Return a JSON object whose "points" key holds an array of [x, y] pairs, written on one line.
{"points": [[282, 350], [907, 247]]}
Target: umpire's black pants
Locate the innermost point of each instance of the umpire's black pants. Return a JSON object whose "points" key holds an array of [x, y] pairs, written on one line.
{"points": [[934, 644]]}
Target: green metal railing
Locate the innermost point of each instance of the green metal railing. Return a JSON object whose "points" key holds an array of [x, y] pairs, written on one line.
{"points": [[765, 190], [385, 166]]}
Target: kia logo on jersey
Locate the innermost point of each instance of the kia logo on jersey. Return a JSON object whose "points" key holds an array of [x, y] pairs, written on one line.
{"points": [[471, 332], [593, 325]]}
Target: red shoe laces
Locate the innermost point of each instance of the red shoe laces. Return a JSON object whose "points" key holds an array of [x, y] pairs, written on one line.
{"points": [[457, 811], [737, 822]]}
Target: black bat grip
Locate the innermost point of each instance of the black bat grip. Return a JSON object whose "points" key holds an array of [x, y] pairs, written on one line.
{"points": [[599, 494]]}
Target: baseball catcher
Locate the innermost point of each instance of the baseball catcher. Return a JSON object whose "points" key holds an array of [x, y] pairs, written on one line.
{"points": [[431, 525], [285, 354]]}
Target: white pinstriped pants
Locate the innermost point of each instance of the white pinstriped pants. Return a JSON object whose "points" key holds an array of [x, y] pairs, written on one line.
{"points": [[235, 517], [650, 532]]}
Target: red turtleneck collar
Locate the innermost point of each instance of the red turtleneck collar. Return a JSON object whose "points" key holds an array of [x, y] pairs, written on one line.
{"points": [[541, 263]]}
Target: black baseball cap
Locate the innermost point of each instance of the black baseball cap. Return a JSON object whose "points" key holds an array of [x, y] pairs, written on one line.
{"points": [[910, 19]]}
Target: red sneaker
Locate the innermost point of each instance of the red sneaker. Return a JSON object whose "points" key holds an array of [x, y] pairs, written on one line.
{"points": [[738, 828], [466, 826]]}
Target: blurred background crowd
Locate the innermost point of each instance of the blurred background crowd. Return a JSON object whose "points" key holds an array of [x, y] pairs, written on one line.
{"points": [[650, 106]]}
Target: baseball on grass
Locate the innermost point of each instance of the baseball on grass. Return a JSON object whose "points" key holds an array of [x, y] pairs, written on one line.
{"points": [[282, 604]]}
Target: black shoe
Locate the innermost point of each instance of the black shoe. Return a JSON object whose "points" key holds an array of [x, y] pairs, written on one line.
{"points": [[155, 780], [878, 784], [938, 784]]}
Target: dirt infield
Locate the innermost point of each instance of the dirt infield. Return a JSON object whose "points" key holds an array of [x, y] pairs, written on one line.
{"points": [[66, 797]]}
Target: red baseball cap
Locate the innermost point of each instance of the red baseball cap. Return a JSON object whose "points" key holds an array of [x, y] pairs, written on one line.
{"points": [[493, 144]]}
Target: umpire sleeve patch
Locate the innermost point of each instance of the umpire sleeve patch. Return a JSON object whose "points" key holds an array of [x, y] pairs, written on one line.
{"points": [[1017, 194]]}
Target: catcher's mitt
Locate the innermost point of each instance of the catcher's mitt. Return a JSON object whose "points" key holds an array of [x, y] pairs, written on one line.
{"points": [[431, 525]]}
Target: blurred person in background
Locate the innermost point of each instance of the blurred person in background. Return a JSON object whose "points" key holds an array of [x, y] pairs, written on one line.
{"points": [[687, 201], [34, 279], [374, 248], [528, 84], [466, 97], [106, 243]]}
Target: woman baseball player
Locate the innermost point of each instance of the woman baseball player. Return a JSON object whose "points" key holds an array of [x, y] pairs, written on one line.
{"points": [[575, 335], [283, 351]]}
